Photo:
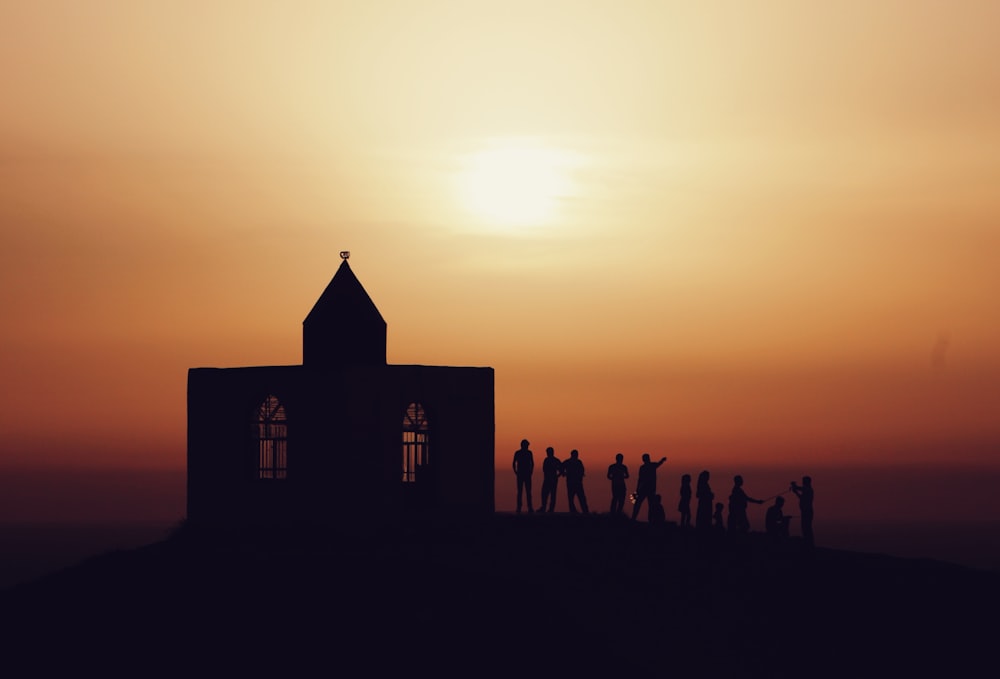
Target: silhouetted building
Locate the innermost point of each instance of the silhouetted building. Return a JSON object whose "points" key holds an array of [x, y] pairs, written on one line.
{"points": [[342, 436]]}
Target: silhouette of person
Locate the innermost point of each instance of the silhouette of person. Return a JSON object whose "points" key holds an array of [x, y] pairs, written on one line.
{"points": [[524, 465], [775, 521], [617, 473], [551, 469], [684, 506], [739, 523], [646, 486], [805, 495], [703, 514], [657, 515], [718, 523], [573, 471]]}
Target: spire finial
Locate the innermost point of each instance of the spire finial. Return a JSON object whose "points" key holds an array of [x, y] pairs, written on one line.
{"points": [[345, 254]]}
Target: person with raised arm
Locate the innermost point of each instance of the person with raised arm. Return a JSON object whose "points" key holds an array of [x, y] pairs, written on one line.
{"points": [[646, 485]]}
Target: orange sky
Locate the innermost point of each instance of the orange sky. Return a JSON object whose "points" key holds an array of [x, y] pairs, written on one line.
{"points": [[774, 234]]}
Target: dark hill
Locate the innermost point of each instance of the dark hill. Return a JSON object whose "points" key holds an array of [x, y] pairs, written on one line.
{"points": [[528, 596]]}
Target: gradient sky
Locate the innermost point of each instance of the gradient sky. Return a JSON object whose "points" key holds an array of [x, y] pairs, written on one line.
{"points": [[772, 231]]}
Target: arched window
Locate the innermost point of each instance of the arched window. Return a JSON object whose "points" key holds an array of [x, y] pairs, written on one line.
{"points": [[272, 439], [416, 451]]}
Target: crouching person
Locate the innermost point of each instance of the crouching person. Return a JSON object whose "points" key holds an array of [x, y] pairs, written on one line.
{"points": [[775, 522]]}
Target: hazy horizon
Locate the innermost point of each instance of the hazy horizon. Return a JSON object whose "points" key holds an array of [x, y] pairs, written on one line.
{"points": [[54, 518], [914, 492]]}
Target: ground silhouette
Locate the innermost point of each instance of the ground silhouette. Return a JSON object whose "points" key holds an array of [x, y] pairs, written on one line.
{"points": [[515, 596]]}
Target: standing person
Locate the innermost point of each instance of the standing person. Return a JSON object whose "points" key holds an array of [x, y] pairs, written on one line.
{"points": [[805, 495], [646, 486], [703, 514], [684, 506], [551, 469], [524, 465], [617, 473], [573, 471], [739, 523]]}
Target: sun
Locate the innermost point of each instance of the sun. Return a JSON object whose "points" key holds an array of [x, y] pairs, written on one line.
{"points": [[515, 184]]}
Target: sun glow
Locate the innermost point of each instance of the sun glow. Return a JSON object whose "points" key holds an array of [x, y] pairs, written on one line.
{"points": [[513, 184]]}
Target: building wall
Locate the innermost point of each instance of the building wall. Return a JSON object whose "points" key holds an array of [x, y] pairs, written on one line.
{"points": [[344, 441], [460, 410]]}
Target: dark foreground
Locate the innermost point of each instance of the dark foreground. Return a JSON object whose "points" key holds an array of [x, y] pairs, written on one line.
{"points": [[513, 596]]}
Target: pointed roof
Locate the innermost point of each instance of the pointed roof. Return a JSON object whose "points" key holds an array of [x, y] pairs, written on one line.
{"points": [[344, 326], [344, 300]]}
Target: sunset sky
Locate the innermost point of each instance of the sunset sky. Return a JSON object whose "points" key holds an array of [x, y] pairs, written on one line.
{"points": [[722, 232]]}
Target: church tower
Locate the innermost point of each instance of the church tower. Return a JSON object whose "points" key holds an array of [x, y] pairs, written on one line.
{"points": [[344, 326]]}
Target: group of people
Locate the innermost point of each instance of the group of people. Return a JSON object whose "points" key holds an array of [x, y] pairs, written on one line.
{"points": [[708, 513], [552, 468]]}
